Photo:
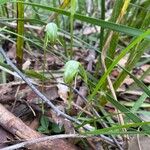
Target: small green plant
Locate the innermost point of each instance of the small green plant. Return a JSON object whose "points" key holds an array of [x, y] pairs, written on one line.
{"points": [[49, 127], [44, 125], [71, 70], [51, 38]]}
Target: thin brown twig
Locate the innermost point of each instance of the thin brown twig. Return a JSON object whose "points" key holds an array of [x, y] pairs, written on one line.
{"points": [[38, 140], [14, 104]]}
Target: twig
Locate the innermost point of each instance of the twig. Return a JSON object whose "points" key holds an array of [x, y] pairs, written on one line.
{"points": [[45, 99], [37, 140], [14, 104]]}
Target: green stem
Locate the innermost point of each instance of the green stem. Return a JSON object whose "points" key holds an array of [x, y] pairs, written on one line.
{"points": [[101, 38], [43, 67], [71, 33], [102, 29], [20, 31]]}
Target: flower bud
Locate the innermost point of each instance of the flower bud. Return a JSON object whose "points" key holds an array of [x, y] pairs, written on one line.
{"points": [[51, 33], [71, 69]]}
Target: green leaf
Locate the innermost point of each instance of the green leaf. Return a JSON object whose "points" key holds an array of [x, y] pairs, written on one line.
{"points": [[71, 69], [44, 121], [56, 128], [116, 60], [43, 130], [117, 127], [35, 74], [126, 111], [83, 73], [139, 102], [5, 1], [99, 22], [139, 83], [73, 7]]}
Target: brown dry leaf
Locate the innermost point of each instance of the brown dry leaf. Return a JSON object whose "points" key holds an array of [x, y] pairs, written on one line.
{"points": [[90, 59], [26, 65], [115, 73], [80, 54], [90, 30], [131, 92], [145, 67], [4, 89], [50, 92], [147, 79], [12, 52], [62, 90], [128, 81], [123, 61], [6, 93], [83, 91], [139, 143]]}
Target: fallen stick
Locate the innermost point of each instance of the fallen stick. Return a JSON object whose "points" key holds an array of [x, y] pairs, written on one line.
{"points": [[38, 140], [19, 129]]}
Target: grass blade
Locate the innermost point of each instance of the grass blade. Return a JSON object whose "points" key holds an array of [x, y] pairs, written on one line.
{"points": [[20, 31], [115, 62], [107, 130], [126, 111], [99, 22]]}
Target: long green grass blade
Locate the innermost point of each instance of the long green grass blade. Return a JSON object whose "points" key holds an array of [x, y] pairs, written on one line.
{"points": [[134, 57], [99, 22], [139, 83], [115, 62], [73, 9], [126, 111], [5, 1], [110, 130]]}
